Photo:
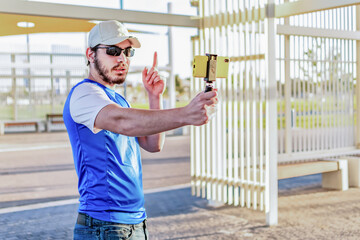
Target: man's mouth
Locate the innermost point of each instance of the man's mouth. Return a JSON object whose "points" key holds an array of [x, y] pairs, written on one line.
{"points": [[119, 70]]}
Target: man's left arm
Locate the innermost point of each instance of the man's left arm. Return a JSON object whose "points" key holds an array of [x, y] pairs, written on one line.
{"points": [[155, 87]]}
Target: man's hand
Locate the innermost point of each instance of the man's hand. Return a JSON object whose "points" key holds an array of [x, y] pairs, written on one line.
{"points": [[152, 81], [197, 113]]}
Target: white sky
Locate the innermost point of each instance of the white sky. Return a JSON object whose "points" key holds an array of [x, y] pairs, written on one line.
{"points": [[150, 42]]}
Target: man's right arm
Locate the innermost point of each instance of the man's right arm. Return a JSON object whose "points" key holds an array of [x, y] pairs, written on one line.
{"points": [[140, 122]]}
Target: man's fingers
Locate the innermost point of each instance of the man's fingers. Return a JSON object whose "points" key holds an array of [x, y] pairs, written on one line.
{"points": [[208, 95], [158, 78], [155, 60], [149, 74], [152, 79]]}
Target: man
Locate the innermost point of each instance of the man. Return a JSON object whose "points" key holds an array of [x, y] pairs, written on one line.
{"points": [[105, 135]]}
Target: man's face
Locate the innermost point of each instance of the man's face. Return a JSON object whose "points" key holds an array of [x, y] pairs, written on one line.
{"points": [[112, 69]]}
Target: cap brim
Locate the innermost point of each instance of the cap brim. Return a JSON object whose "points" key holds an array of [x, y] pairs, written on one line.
{"points": [[133, 40]]}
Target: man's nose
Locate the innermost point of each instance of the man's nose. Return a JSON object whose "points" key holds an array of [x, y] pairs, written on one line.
{"points": [[121, 57]]}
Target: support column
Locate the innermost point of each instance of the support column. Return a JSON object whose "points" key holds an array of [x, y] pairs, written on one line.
{"points": [[171, 82], [271, 188]]}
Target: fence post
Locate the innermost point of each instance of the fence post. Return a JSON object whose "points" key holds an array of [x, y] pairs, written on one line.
{"points": [[271, 181]]}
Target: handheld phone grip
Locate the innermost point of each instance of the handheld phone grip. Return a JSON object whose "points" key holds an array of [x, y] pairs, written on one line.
{"points": [[208, 89]]}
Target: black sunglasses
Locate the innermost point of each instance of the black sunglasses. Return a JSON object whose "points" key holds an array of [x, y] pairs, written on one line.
{"points": [[116, 51]]}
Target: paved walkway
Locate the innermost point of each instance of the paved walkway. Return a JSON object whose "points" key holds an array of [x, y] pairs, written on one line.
{"points": [[38, 198]]}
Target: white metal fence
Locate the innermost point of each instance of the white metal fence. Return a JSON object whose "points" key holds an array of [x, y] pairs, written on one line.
{"points": [[35, 84], [316, 79], [289, 94]]}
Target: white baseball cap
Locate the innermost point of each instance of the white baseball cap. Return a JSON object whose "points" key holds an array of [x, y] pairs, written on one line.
{"points": [[110, 33]]}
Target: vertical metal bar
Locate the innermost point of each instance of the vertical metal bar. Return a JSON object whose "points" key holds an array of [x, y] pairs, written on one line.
{"points": [[313, 91], [228, 188], [257, 111], [341, 82], [355, 24], [242, 75], [323, 86], [253, 134], [262, 99], [310, 100], [194, 133], [336, 61], [193, 159], [213, 158], [288, 132], [224, 154], [298, 89], [296, 117], [334, 84], [318, 90], [329, 83], [281, 98], [216, 158], [301, 93], [222, 45], [210, 165], [222, 160], [271, 135], [357, 137], [347, 92], [203, 45], [308, 90], [192, 142], [328, 100], [236, 75], [201, 147], [247, 115]]}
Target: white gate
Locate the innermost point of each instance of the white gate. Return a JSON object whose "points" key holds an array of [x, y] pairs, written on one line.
{"points": [[289, 95]]}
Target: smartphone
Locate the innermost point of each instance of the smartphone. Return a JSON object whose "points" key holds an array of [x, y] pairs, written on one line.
{"points": [[200, 66]]}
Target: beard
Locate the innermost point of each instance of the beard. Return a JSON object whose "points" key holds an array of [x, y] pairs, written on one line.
{"points": [[105, 73]]}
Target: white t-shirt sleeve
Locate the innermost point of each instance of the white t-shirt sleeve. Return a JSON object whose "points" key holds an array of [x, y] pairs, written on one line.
{"points": [[86, 102]]}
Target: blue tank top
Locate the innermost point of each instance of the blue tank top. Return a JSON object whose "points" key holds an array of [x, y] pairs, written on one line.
{"points": [[109, 169]]}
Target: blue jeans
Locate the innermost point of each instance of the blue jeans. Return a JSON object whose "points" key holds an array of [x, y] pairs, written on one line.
{"points": [[88, 228]]}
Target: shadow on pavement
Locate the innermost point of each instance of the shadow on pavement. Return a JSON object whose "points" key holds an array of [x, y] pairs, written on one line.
{"points": [[34, 201], [172, 202]]}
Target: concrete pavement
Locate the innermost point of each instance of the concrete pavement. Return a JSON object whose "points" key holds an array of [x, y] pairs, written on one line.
{"points": [[38, 198]]}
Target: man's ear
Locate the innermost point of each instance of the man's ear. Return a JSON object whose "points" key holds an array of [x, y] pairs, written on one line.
{"points": [[90, 55]]}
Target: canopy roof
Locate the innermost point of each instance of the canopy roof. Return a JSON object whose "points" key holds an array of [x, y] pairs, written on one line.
{"points": [[9, 24]]}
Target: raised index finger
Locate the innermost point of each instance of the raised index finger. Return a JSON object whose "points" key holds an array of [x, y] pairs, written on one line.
{"points": [[155, 60]]}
